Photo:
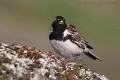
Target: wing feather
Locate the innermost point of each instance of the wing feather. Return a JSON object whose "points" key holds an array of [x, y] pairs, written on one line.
{"points": [[77, 38]]}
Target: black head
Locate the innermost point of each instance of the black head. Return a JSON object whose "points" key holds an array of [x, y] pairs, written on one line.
{"points": [[59, 24], [58, 27], [60, 20]]}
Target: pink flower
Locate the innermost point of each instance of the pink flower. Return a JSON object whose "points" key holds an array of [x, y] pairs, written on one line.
{"points": [[36, 63], [36, 51], [49, 53], [72, 77], [63, 60]]}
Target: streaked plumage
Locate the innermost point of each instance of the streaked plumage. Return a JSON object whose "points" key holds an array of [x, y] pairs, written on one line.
{"points": [[67, 42]]}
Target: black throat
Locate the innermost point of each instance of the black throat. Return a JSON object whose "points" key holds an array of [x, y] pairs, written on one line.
{"points": [[57, 33]]}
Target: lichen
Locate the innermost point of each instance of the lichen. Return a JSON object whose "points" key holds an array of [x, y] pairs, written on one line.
{"points": [[21, 62]]}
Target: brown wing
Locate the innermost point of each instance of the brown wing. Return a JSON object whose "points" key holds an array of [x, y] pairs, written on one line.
{"points": [[78, 38]]}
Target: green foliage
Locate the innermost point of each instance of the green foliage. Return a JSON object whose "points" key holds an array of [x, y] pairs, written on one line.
{"points": [[71, 73], [3, 77], [15, 49], [2, 67], [0, 43]]}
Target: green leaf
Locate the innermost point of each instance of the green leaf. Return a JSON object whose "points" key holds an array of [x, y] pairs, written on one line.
{"points": [[2, 67], [0, 43]]}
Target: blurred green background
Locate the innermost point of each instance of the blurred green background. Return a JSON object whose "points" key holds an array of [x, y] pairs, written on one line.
{"points": [[28, 22]]}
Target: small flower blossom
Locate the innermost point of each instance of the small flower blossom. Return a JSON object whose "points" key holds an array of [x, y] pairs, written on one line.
{"points": [[30, 63], [72, 77], [49, 53]]}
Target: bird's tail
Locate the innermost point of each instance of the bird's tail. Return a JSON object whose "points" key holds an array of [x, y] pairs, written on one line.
{"points": [[91, 55]]}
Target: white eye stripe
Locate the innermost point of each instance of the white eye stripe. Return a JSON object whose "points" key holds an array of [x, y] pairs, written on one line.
{"points": [[51, 29]]}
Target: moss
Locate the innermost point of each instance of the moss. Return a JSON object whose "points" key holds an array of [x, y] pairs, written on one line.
{"points": [[0, 43], [3, 77], [4, 60], [2, 67], [15, 49]]}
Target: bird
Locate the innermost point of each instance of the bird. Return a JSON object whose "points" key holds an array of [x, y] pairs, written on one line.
{"points": [[67, 42]]}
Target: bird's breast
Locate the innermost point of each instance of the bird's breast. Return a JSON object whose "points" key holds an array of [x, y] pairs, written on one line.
{"points": [[66, 48]]}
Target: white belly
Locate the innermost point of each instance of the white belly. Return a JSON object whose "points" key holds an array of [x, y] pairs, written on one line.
{"points": [[66, 49]]}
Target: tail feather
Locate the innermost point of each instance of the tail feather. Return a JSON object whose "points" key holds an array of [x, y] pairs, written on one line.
{"points": [[92, 56]]}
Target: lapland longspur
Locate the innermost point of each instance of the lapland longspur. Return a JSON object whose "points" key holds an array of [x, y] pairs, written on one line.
{"points": [[67, 42]]}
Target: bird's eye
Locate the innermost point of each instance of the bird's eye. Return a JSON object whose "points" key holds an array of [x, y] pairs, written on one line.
{"points": [[58, 19], [63, 19]]}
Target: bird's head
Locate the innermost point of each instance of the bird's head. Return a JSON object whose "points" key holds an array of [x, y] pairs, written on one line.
{"points": [[59, 24], [60, 20]]}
